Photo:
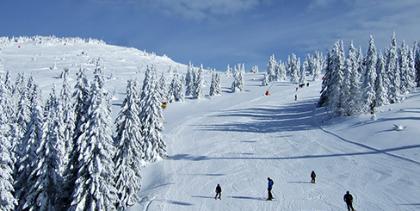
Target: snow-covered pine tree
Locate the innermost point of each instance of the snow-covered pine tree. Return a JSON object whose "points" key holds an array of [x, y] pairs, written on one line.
{"points": [[238, 82], [67, 116], [26, 151], [94, 188], [128, 142], [293, 68], [337, 77], [172, 90], [189, 83], [151, 119], [271, 68], [380, 89], [213, 84], [411, 71], [281, 70], [163, 90], [198, 84], [218, 87], [180, 88], [326, 81], [81, 100], [7, 198], [302, 74], [392, 68], [46, 181], [317, 65], [417, 64], [369, 94], [404, 68], [350, 92]]}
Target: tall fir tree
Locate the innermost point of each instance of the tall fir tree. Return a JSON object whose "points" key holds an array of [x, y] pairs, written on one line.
{"points": [[380, 89], [26, 151], [154, 148], [271, 68], [404, 68], [44, 192], [370, 76], [197, 91], [337, 77], [293, 68], [66, 113], [351, 89], [189, 83], [128, 141], [7, 198], [163, 90], [393, 71], [417, 64], [94, 187], [411, 77]]}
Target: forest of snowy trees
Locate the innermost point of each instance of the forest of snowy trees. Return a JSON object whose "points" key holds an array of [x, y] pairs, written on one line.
{"points": [[355, 83], [63, 154]]}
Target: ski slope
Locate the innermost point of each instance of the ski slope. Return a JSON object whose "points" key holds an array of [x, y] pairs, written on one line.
{"points": [[237, 140]]}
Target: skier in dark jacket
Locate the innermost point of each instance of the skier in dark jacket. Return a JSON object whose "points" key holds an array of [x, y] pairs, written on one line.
{"points": [[348, 198], [218, 192], [269, 188], [313, 176]]}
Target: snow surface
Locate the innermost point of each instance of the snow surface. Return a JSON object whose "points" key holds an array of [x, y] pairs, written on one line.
{"points": [[237, 140]]}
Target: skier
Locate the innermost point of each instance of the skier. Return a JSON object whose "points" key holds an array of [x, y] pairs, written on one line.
{"points": [[218, 192], [348, 198], [295, 97], [313, 175], [270, 187]]}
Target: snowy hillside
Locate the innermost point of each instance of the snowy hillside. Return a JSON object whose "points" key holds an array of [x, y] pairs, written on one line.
{"points": [[44, 58], [239, 139]]}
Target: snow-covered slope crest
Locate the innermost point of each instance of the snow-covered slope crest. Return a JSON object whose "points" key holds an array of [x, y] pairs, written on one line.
{"points": [[45, 58]]}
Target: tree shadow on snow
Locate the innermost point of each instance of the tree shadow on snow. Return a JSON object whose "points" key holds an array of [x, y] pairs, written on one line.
{"points": [[299, 182], [203, 197], [294, 117], [180, 203]]}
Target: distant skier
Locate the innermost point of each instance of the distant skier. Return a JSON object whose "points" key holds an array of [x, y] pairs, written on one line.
{"points": [[218, 192], [270, 187], [348, 198], [295, 97], [313, 175]]}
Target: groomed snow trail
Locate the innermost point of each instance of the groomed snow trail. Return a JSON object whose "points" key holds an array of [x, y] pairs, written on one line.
{"points": [[238, 140]]}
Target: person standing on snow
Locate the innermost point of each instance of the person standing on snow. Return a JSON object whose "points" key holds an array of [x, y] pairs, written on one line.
{"points": [[313, 175], [218, 192], [269, 188], [348, 198]]}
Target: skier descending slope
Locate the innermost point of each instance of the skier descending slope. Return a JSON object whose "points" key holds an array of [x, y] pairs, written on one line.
{"points": [[218, 192], [313, 176], [270, 187], [348, 198]]}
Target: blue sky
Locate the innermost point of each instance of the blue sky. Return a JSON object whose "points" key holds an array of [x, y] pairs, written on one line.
{"points": [[217, 32]]}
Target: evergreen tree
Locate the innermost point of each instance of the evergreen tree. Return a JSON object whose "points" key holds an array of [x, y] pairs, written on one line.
{"points": [[337, 77], [189, 83], [411, 76], [302, 75], [181, 88], [326, 81], [81, 100], [67, 116], [151, 118], [265, 80], [238, 82], [254, 69], [163, 91], [26, 151], [44, 192], [228, 71], [370, 76], [393, 71], [198, 85], [94, 188], [281, 70], [293, 68], [350, 92], [417, 64], [213, 84], [128, 141], [172, 90], [380, 89], [271, 68], [404, 68], [7, 198]]}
